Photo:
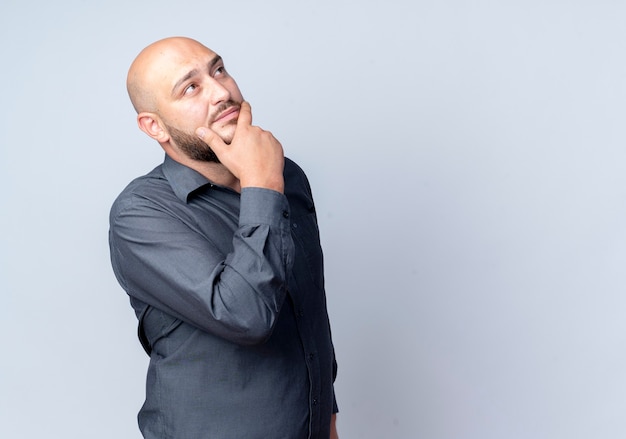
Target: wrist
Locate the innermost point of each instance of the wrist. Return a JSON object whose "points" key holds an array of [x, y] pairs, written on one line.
{"points": [[276, 184]]}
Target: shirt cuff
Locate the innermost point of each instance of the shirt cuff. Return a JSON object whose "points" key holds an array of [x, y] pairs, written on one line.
{"points": [[262, 206]]}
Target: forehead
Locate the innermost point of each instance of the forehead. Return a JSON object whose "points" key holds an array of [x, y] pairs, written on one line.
{"points": [[171, 63]]}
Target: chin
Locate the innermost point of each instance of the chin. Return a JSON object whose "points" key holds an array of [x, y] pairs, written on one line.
{"points": [[227, 134]]}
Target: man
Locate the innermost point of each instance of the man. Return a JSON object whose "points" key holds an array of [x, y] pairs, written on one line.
{"points": [[218, 249]]}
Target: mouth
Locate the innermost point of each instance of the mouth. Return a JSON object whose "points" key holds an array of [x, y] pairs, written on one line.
{"points": [[227, 115]]}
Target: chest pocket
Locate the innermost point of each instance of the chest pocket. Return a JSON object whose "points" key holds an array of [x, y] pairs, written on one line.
{"points": [[306, 237]]}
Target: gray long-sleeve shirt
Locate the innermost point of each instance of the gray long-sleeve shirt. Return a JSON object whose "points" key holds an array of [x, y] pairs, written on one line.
{"points": [[229, 292]]}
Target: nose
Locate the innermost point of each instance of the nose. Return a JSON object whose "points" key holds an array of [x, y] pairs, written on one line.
{"points": [[217, 91]]}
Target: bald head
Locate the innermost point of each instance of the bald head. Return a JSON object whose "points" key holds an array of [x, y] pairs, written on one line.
{"points": [[177, 85], [148, 72]]}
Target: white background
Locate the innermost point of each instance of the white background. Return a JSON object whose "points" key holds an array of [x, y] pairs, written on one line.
{"points": [[467, 160]]}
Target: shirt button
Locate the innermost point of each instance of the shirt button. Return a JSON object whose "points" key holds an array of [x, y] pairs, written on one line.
{"points": [[311, 356], [314, 401], [285, 214]]}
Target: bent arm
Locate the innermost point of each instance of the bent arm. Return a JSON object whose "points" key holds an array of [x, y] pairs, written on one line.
{"points": [[235, 292]]}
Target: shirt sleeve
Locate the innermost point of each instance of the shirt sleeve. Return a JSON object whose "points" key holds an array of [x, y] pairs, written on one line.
{"points": [[162, 261]]}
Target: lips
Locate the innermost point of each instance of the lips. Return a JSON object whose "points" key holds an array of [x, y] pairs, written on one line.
{"points": [[228, 114]]}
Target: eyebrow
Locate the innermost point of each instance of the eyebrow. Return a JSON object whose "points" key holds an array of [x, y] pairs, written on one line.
{"points": [[216, 59]]}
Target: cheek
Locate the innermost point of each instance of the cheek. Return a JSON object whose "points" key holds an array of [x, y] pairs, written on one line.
{"points": [[235, 93], [191, 117]]}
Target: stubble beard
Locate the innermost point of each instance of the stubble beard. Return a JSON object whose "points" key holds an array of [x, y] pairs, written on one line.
{"points": [[196, 148], [192, 146]]}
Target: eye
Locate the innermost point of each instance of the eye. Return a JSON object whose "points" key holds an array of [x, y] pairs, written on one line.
{"points": [[190, 89], [220, 71]]}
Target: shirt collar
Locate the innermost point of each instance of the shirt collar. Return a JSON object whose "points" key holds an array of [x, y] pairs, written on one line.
{"points": [[182, 179]]}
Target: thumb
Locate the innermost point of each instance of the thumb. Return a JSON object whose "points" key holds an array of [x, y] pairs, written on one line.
{"points": [[245, 114], [211, 138]]}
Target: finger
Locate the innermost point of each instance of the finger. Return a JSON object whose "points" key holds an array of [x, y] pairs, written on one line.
{"points": [[211, 138], [245, 114]]}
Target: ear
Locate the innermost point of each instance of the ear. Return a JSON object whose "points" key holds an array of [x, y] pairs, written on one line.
{"points": [[151, 124]]}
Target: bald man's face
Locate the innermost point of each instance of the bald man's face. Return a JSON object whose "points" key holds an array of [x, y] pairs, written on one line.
{"points": [[189, 87]]}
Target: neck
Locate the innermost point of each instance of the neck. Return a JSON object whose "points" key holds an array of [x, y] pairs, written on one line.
{"points": [[215, 172]]}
